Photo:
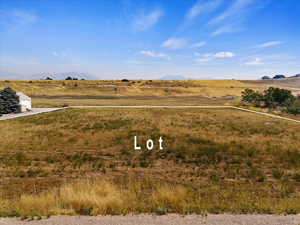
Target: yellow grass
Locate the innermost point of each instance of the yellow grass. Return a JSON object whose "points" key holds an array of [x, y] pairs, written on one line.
{"points": [[214, 161], [206, 88], [92, 197]]}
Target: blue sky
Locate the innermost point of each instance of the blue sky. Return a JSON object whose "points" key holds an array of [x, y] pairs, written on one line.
{"points": [[148, 39]]}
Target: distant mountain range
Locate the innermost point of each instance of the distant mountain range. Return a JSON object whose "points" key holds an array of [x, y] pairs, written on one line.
{"points": [[54, 76]]}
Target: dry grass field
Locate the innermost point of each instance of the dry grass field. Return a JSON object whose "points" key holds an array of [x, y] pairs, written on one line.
{"points": [[57, 93], [81, 161], [292, 84]]}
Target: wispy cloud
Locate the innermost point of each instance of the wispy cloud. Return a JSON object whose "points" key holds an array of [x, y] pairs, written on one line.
{"points": [[210, 56], [201, 7], [227, 28], [198, 44], [146, 20], [174, 43], [217, 55], [223, 55], [269, 44], [59, 54], [236, 9], [23, 17], [17, 18], [152, 54], [255, 62], [232, 19]]}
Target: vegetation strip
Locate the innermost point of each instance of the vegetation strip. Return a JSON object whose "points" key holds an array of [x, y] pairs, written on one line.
{"points": [[158, 106], [191, 107]]}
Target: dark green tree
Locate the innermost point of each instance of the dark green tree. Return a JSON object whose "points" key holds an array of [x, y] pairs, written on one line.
{"points": [[274, 97], [9, 101], [251, 96]]}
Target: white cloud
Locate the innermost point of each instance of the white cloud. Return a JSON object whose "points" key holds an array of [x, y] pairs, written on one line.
{"points": [[269, 44], [59, 54], [146, 20], [223, 55], [216, 55], [155, 55], [199, 8], [199, 44], [174, 43], [54, 53], [210, 56], [255, 62]]}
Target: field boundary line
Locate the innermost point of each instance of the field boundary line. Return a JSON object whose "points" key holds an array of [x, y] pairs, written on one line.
{"points": [[13, 116], [265, 114], [158, 106]]}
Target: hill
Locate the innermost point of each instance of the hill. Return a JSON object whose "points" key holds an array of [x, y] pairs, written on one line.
{"points": [[292, 83], [56, 76]]}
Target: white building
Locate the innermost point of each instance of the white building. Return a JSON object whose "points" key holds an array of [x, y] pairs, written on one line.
{"points": [[25, 102]]}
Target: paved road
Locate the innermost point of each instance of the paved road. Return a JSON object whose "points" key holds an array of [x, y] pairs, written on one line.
{"points": [[33, 112], [172, 219]]}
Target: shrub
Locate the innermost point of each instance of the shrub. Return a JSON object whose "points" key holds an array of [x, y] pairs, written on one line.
{"points": [[272, 98], [278, 97], [294, 108], [251, 96]]}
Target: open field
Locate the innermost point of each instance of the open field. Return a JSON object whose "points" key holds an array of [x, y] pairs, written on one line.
{"points": [[59, 93], [220, 161]]}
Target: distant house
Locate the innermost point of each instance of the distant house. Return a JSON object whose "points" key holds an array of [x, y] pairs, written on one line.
{"points": [[279, 76], [13, 102], [24, 101]]}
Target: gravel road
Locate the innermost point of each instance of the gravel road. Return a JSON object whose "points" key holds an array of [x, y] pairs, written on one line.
{"points": [[171, 219]]}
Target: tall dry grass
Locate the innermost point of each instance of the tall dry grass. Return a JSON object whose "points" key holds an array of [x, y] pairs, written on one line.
{"points": [[104, 197], [93, 197]]}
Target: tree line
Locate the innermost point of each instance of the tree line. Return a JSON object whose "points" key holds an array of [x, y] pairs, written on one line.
{"points": [[273, 98]]}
